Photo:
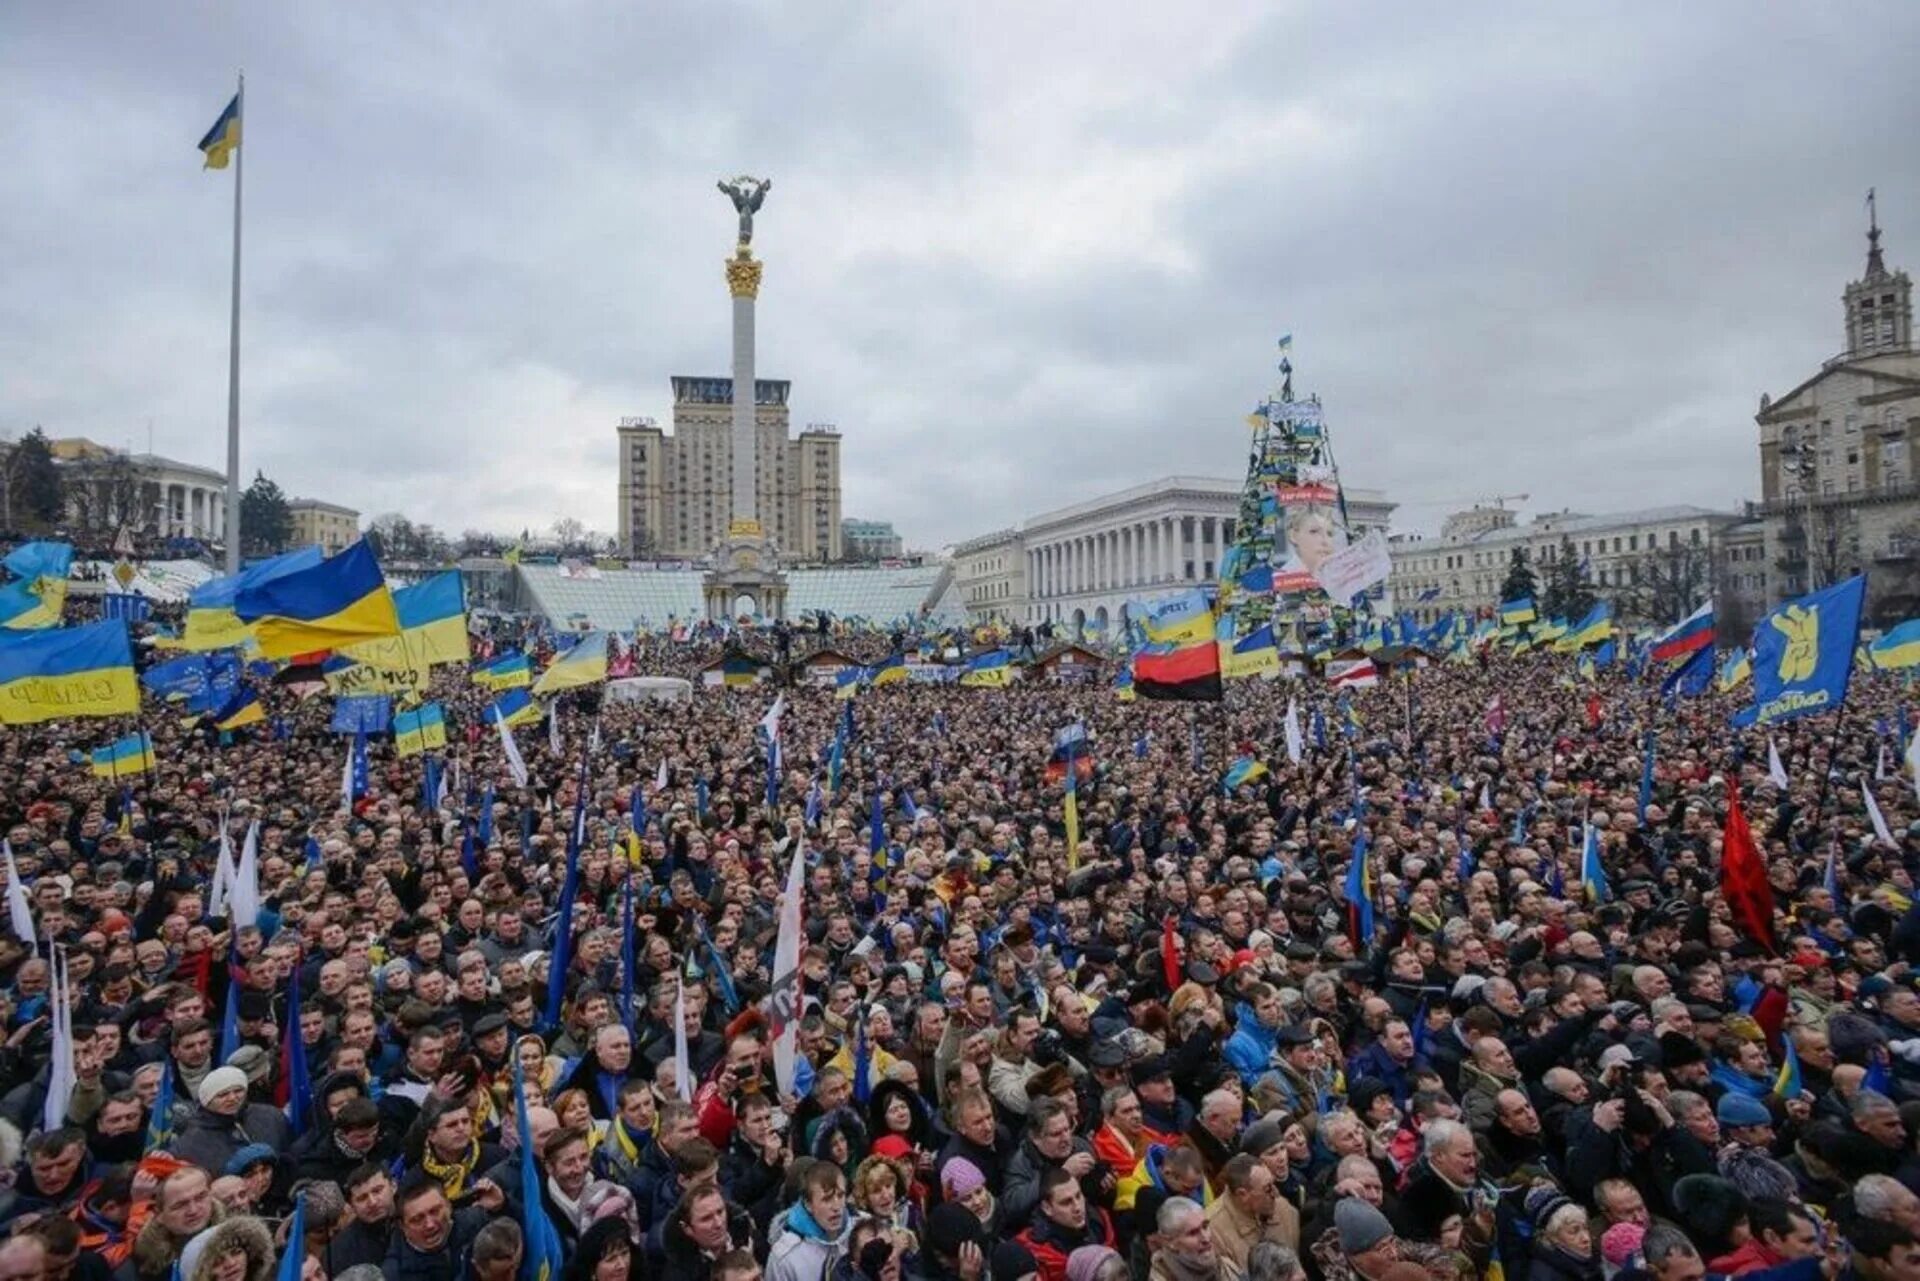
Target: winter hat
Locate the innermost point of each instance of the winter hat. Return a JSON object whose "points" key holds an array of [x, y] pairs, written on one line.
{"points": [[1620, 1243], [1362, 1093], [960, 1178], [1710, 1205], [254, 1061], [1736, 1109], [250, 1155], [1085, 1261], [1260, 1136], [951, 1226], [1679, 1051], [215, 1083], [196, 1248], [1360, 1225], [1011, 1261], [1542, 1203]]}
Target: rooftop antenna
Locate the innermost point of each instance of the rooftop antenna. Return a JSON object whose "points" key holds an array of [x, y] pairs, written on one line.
{"points": [[1876, 267]]}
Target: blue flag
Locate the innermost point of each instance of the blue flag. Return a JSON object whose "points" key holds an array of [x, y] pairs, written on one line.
{"points": [[294, 1261], [299, 1084], [484, 828], [230, 1018], [862, 1063], [562, 959], [1692, 678], [160, 1123], [628, 955], [541, 1257], [1803, 653], [814, 804], [717, 964], [876, 825], [1646, 778]]}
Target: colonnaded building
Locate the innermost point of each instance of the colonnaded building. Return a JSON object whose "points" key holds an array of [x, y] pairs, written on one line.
{"points": [[1080, 565]]}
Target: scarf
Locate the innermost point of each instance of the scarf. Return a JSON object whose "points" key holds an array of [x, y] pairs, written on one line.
{"points": [[452, 1174], [1182, 1268], [569, 1208], [624, 1140]]}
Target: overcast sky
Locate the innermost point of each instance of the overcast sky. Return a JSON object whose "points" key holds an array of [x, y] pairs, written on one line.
{"points": [[1022, 254]]}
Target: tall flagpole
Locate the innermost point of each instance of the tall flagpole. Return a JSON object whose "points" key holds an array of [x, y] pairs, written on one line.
{"points": [[233, 351]]}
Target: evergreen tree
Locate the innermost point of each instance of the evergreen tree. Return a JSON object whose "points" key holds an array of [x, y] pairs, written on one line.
{"points": [[1567, 594], [1519, 581], [36, 495], [266, 522]]}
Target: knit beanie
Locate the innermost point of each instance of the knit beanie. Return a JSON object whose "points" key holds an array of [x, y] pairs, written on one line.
{"points": [[960, 1177], [218, 1082], [1085, 1261], [1361, 1226], [1620, 1243]]}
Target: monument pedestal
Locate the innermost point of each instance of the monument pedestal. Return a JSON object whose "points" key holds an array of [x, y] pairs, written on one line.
{"points": [[745, 577]]}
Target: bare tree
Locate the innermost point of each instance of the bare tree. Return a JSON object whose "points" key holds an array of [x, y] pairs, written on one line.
{"points": [[1666, 584]]}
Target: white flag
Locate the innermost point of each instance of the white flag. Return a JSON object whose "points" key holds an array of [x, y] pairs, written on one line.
{"points": [[1913, 762], [770, 723], [682, 1061], [346, 781], [1879, 819], [1296, 745], [516, 766], [554, 743], [1486, 796], [19, 912], [245, 906], [60, 1076], [660, 779], [784, 1004], [223, 861], [593, 738], [1775, 770]]}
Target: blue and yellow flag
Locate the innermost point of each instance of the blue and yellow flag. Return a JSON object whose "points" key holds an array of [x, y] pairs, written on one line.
{"points": [[68, 671], [38, 593], [515, 707], [888, 670], [584, 664], [739, 671], [1123, 683], [223, 138], [1787, 1083], [1596, 627], [341, 600], [1180, 620], [130, 755], [1803, 653], [1898, 649], [433, 628], [424, 730], [1243, 770], [994, 668], [1735, 671], [848, 680], [510, 670], [241, 710], [1515, 612], [211, 622], [160, 1120]]}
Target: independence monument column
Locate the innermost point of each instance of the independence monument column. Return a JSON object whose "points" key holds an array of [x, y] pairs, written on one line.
{"points": [[744, 566]]}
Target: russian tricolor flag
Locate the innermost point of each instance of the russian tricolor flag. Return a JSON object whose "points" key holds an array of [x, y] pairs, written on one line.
{"points": [[1694, 632]]}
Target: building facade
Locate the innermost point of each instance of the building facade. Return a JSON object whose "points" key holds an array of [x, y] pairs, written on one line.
{"points": [[869, 540], [675, 486], [1838, 483], [990, 577], [1623, 556], [333, 527], [1086, 561], [109, 489]]}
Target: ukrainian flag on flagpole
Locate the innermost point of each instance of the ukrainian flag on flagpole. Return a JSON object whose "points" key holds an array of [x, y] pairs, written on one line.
{"points": [[211, 622], [420, 731], [1182, 620], [508, 671], [1898, 649], [64, 672], [889, 670], [39, 593], [1734, 672], [130, 755], [1243, 770], [1515, 612], [241, 710], [991, 669], [584, 664], [221, 140], [515, 707], [341, 600], [1787, 1083]]}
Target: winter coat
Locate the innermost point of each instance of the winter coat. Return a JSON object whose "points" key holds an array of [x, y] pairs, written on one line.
{"points": [[801, 1251], [1051, 1245], [155, 1249], [1250, 1049], [1235, 1233], [245, 1232], [209, 1140], [1020, 1191]]}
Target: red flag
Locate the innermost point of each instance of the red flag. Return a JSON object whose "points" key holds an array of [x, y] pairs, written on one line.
{"points": [[1743, 877], [1170, 954], [1593, 711]]}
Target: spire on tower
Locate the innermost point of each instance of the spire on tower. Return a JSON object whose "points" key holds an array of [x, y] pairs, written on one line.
{"points": [[1876, 266]]}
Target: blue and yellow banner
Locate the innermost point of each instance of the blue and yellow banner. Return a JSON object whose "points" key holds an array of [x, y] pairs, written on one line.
{"points": [[515, 707], [1803, 653], [68, 671], [1596, 627], [38, 594], [241, 710], [424, 730], [341, 600], [1515, 612], [1898, 649], [130, 755], [509, 671], [433, 628], [1180, 620], [221, 140], [1243, 770], [1252, 655], [1735, 671], [584, 664], [889, 670], [211, 622], [995, 668]]}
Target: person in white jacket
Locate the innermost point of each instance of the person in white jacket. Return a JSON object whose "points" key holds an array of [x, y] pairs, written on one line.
{"points": [[810, 1237]]}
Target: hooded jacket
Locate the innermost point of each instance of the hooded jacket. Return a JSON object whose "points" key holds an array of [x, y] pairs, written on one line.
{"points": [[802, 1250], [249, 1235]]}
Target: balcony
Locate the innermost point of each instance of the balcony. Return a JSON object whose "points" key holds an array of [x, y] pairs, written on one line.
{"points": [[1900, 549]]}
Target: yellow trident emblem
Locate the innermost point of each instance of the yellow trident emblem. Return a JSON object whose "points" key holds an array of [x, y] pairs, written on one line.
{"points": [[1801, 628]]}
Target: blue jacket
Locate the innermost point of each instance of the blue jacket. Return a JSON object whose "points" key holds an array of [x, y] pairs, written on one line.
{"points": [[1250, 1048], [1376, 1063]]}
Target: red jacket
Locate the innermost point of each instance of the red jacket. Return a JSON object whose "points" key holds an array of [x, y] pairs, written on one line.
{"points": [[1050, 1247]]}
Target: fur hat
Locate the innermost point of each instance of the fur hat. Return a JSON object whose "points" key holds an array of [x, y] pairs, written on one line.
{"points": [[1709, 1205], [216, 1083]]}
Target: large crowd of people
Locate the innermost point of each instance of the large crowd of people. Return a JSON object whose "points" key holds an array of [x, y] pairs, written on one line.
{"points": [[1175, 1053]]}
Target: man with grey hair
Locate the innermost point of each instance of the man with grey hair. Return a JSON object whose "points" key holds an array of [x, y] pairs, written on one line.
{"points": [[1883, 1197], [1878, 1117], [1669, 1255], [1183, 1245], [1215, 1133], [1438, 1187]]}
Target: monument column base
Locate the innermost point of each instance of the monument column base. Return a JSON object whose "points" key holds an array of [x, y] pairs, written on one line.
{"points": [[744, 578]]}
